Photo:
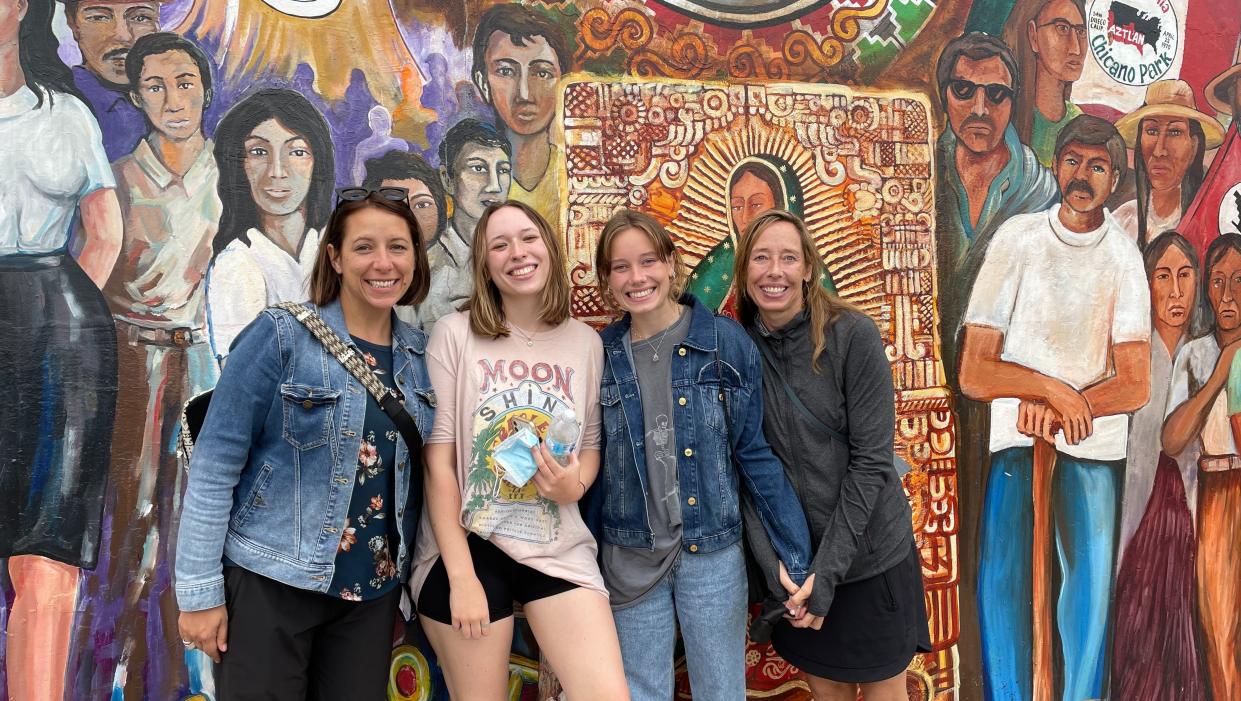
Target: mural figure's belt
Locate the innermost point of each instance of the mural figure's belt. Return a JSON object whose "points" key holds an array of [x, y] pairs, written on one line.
{"points": [[1219, 463], [32, 261], [179, 338]]}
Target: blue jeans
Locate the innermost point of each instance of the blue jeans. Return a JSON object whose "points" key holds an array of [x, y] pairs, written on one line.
{"points": [[706, 594], [1085, 501]]}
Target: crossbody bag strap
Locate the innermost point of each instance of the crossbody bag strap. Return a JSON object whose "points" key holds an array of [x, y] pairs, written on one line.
{"points": [[389, 399], [788, 390]]}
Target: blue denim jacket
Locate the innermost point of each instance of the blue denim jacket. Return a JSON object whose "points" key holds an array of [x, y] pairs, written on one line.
{"points": [[710, 506], [273, 469]]}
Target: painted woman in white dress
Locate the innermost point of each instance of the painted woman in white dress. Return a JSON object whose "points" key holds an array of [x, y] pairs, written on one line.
{"points": [[274, 151]]}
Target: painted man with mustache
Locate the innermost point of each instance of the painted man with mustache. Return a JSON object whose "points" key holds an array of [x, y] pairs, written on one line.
{"points": [[1057, 339], [105, 30]]}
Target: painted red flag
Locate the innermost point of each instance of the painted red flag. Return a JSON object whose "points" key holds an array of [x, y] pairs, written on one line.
{"points": [[1219, 193]]}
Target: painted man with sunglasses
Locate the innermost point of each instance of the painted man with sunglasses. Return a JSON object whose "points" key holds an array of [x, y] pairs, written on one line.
{"points": [[1057, 339], [986, 175]]}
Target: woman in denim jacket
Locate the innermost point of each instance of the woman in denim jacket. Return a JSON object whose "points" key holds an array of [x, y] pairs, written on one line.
{"points": [[302, 497], [682, 404], [866, 578]]}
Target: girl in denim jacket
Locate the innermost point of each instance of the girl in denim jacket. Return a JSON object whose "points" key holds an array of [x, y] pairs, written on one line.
{"points": [[300, 508], [682, 413]]}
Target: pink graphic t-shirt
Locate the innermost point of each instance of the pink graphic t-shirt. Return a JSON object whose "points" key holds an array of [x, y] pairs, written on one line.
{"points": [[489, 389]]}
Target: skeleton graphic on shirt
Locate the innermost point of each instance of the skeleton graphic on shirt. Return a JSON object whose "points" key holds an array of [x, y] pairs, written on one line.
{"points": [[661, 438]]}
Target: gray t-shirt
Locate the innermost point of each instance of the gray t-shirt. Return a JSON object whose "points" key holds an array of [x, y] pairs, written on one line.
{"points": [[631, 572]]}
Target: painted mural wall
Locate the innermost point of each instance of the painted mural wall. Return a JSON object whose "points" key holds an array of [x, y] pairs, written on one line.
{"points": [[1067, 400]]}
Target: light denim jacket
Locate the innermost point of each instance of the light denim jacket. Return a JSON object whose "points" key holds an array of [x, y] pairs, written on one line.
{"points": [[717, 359], [273, 469]]}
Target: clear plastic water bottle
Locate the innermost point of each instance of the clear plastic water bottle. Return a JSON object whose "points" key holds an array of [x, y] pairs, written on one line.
{"points": [[562, 435]]}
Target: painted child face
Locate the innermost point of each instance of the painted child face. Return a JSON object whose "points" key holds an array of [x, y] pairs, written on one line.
{"points": [[170, 92]]}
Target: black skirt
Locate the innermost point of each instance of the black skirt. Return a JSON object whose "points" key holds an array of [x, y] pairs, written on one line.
{"points": [[872, 631], [58, 376]]}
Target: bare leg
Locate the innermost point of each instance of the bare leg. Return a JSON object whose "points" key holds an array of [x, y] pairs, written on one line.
{"points": [[40, 627], [475, 670], [892, 689], [577, 634]]}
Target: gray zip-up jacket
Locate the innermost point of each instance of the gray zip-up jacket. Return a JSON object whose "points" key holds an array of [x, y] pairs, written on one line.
{"points": [[855, 505]]}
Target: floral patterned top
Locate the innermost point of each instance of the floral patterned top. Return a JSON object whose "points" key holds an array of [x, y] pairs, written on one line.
{"points": [[365, 566]]}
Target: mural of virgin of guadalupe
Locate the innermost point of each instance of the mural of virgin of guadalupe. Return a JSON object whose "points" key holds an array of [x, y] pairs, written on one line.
{"points": [[755, 186], [276, 176], [57, 346]]}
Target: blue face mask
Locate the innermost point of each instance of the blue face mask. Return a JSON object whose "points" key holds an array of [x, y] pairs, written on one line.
{"points": [[513, 454]]}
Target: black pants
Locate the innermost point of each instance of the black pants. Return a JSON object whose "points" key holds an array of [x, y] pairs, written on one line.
{"points": [[290, 644]]}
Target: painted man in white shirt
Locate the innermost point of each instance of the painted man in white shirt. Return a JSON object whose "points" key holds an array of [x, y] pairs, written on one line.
{"points": [[1057, 339]]}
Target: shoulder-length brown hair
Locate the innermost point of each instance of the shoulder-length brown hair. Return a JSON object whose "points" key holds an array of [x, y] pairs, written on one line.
{"points": [[825, 307], [325, 281], [485, 305], [624, 220]]}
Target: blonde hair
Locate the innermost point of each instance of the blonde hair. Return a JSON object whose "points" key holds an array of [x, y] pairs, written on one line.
{"points": [[624, 220], [825, 307], [485, 305]]}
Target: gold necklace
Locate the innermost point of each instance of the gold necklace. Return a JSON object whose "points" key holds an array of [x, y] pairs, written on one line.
{"points": [[521, 332]]}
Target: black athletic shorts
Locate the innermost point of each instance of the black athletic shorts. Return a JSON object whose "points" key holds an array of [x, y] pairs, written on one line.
{"points": [[504, 580]]}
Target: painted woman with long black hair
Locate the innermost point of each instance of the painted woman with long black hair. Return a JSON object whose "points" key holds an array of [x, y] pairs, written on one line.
{"points": [[274, 152], [57, 343]]}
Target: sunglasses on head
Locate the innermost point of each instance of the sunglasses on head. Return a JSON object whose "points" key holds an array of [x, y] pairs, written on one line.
{"points": [[964, 90], [353, 194]]}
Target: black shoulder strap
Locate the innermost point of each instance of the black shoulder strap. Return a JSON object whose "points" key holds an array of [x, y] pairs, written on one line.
{"points": [[788, 390]]}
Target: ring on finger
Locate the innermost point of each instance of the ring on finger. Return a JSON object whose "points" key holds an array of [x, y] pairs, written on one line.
{"points": [[189, 644]]}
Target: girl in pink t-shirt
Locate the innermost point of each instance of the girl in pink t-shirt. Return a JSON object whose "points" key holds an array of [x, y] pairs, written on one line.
{"points": [[502, 370]]}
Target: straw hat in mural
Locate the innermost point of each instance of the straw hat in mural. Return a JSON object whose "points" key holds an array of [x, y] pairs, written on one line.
{"points": [[1170, 98], [1217, 90]]}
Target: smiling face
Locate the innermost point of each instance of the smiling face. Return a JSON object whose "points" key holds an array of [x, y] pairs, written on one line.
{"points": [[1167, 149], [106, 31], [747, 198], [1223, 289], [640, 281], [170, 93], [422, 202], [1085, 176], [1172, 289], [978, 122], [520, 82], [776, 271], [517, 256], [375, 260], [279, 166], [1058, 36]]}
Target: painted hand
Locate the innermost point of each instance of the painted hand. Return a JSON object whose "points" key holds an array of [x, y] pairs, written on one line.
{"points": [[1037, 420], [1074, 413]]}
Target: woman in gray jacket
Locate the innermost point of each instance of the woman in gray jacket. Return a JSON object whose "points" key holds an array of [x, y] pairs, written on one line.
{"points": [[829, 418]]}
